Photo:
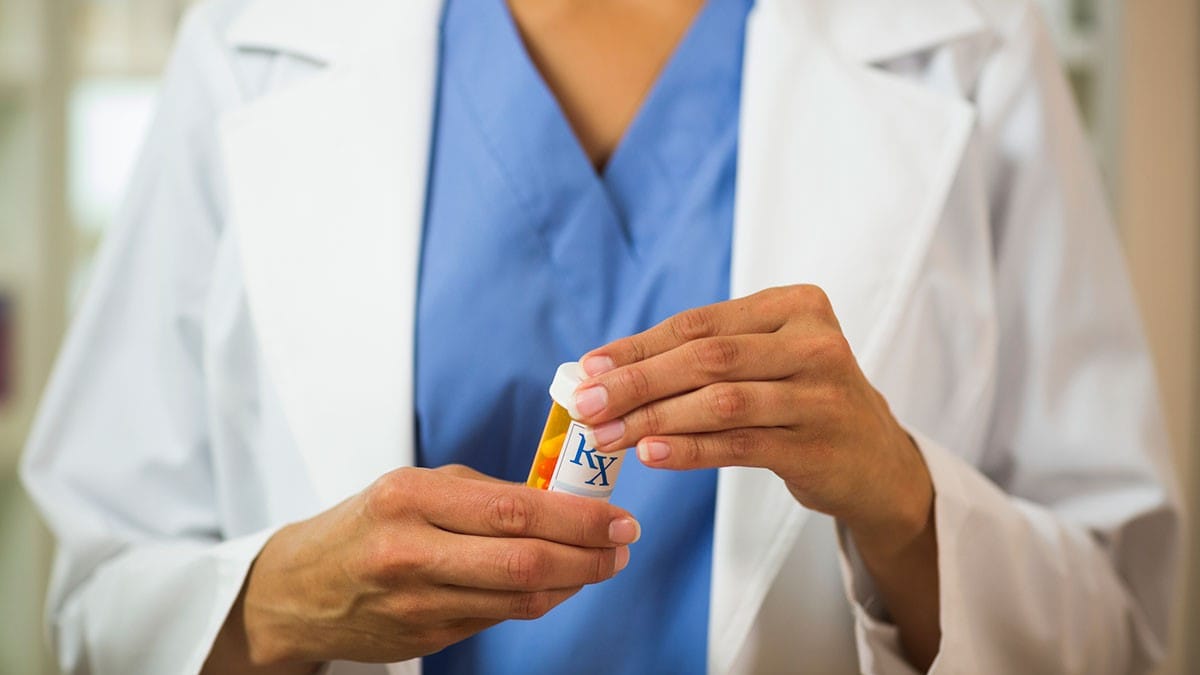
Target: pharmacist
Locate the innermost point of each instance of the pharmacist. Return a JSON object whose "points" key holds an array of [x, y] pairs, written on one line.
{"points": [[840, 271]]}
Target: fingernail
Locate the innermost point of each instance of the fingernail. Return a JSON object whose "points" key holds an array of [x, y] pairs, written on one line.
{"points": [[597, 365], [624, 531], [609, 431], [653, 451], [622, 559], [591, 400]]}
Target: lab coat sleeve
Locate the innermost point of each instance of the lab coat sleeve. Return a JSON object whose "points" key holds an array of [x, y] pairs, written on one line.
{"points": [[1057, 551], [118, 459]]}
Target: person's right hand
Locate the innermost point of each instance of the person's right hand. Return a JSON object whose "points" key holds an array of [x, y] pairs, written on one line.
{"points": [[420, 560]]}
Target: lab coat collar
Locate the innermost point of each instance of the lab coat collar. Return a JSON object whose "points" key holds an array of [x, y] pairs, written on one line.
{"points": [[329, 31], [867, 31], [874, 31]]}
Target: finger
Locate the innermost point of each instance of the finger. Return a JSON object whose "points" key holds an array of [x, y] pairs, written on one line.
{"points": [[505, 510], [716, 407], [758, 313], [692, 365], [480, 604], [753, 447], [507, 564]]}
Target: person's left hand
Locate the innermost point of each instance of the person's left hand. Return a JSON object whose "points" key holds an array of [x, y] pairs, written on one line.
{"points": [[763, 381]]}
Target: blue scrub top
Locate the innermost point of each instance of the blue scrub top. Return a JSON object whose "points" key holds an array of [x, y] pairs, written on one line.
{"points": [[530, 258]]}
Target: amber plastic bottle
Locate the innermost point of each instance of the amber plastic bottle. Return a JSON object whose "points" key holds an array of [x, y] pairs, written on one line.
{"points": [[566, 459]]}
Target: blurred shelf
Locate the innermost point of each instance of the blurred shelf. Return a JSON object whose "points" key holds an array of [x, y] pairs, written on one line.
{"points": [[150, 68], [11, 89], [116, 61], [16, 81], [12, 440]]}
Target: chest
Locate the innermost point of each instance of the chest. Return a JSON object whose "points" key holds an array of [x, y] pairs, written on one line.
{"points": [[601, 58]]}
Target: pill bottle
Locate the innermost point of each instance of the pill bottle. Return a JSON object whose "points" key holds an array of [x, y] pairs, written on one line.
{"points": [[566, 459]]}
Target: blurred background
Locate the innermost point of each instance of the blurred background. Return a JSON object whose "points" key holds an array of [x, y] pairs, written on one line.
{"points": [[78, 80]]}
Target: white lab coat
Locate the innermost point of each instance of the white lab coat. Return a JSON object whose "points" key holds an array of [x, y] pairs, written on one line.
{"points": [[244, 357]]}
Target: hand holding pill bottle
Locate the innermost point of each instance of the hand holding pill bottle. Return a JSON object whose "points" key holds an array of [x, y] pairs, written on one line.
{"points": [[566, 459]]}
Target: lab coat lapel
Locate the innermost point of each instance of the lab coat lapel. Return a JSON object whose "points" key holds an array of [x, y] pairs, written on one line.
{"points": [[842, 173], [327, 184]]}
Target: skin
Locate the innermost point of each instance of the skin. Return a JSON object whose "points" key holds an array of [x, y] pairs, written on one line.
{"points": [[425, 558], [769, 381], [601, 58]]}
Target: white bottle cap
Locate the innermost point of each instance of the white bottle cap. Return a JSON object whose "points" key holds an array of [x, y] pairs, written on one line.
{"points": [[566, 381]]}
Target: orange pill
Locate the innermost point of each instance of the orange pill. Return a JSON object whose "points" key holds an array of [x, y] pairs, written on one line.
{"points": [[549, 447], [546, 467]]}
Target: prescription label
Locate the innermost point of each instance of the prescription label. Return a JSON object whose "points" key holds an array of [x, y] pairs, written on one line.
{"points": [[583, 471]]}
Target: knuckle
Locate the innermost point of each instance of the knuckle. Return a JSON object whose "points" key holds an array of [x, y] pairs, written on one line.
{"points": [[597, 521], [814, 298], [650, 421], [602, 565], [692, 324], [729, 402], [741, 445], [389, 492], [694, 449], [634, 381], [456, 470], [637, 349], [778, 298], [783, 303], [774, 292], [796, 293], [831, 348], [388, 561], [510, 514], [715, 356], [789, 296], [525, 566], [531, 605], [811, 292], [590, 522]]}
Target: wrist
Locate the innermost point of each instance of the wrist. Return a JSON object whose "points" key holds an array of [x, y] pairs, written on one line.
{"points": [[232, 653], [907, 517], [270, 645]]}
